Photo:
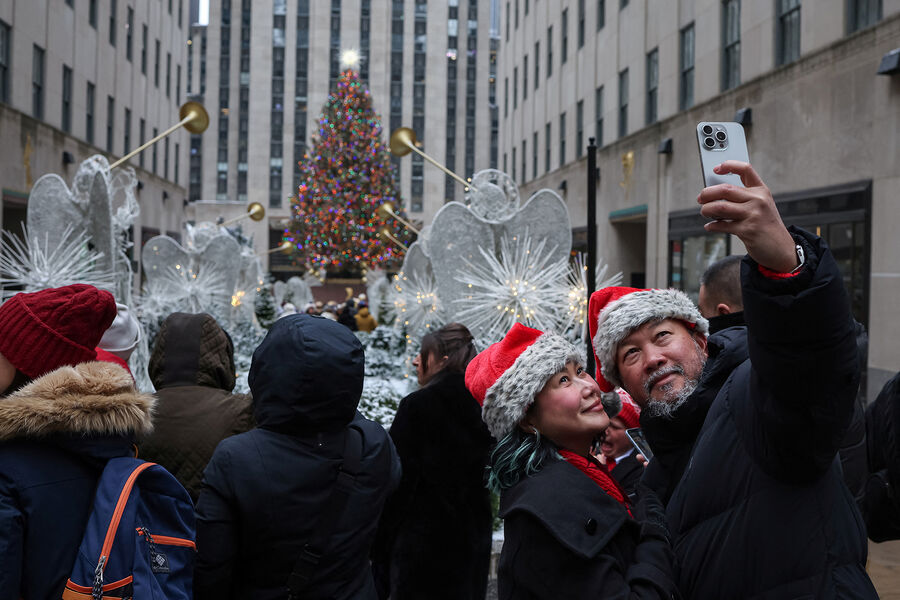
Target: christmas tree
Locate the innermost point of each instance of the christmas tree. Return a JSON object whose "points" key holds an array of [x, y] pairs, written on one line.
{"points": [[345, 178], [265, 304]]}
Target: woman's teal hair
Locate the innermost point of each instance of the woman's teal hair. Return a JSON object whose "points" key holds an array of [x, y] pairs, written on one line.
{"points": [[518, 454]]}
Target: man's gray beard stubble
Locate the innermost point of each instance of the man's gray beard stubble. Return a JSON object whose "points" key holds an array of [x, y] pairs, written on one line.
{"points": [[667, 408]]}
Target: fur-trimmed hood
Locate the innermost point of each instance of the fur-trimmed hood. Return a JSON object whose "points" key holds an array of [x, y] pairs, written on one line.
{"points": [[93, 398]]}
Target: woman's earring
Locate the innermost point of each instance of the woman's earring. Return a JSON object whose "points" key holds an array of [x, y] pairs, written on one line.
{"points": [[534, 429]]}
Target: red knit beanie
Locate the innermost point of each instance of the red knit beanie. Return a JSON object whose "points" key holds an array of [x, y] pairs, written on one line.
{"points": [[42, 331], [630, 413]]}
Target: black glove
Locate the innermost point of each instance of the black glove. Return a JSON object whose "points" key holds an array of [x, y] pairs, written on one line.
{"points": [[650, 513]]}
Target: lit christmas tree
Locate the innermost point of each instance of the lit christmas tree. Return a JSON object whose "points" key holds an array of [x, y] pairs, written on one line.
{"points": [[345, 178]]}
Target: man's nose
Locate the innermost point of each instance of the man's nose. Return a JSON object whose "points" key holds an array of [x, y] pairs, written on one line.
{"points": [[653, 359]]}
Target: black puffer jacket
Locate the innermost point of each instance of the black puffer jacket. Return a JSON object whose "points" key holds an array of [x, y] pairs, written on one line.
{"points": [[567, 538], [881, 501], [757, 507], [263, 490], [437, 527]]}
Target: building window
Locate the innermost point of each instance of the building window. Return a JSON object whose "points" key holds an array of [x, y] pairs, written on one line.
{"points": [[89, 114], [580, 23], [127, 140], [177, 83], [128, 33], [508, 15], [112, 22], [177, 148], [180, 13], [623, 4], [37, 83], [524, 162], [517, 14], [110, 120], [166, 158], [506, 96], [562, 139], [686, 69], [534, 155], [549, 52], [525, 78], [153, 155], [144, 49], [168, 74], [787, 35], [731, 44], [601, 15], [515, 87], [565, 36], [598, 115], [141, 128], [623, 103], [547, 148], [4, 62], [537, 65], [862, 14], [652, 84], [579, 128], [156, 66], [514, 163], [92, 13], [67, 99]]}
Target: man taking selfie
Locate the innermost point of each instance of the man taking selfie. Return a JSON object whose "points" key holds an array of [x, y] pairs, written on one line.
{"points": [[745, 425]]}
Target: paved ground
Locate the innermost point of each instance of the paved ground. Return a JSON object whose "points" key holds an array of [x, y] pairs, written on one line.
{"points": [[884, 569]]}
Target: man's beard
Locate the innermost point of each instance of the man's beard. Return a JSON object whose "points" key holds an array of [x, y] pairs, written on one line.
{"points": [[671, 400]]}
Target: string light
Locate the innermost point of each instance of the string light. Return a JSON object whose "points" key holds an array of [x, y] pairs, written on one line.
{"points": [[344, 178]]}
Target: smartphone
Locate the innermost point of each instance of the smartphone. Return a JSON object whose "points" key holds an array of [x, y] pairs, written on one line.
{"points": [[639, 442], [719, 142]]}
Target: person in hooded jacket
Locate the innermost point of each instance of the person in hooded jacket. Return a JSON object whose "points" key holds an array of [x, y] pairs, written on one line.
{"points": [[437, 526], [192, 369], [62, 416], [264, 490], [364, 319], [569, 530]]}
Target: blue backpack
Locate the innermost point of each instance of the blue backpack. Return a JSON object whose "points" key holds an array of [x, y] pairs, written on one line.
{"points": [[139, 540]]}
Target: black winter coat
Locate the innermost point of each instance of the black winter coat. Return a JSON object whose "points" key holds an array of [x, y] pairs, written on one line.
{"points": [[264, 489], [881, 502], [757, 507], [437, 526], [567, 538], [627, 473]]}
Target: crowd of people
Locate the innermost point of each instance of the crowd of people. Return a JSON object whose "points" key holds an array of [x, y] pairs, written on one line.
{"points": [[354, 313], [768, 470]]}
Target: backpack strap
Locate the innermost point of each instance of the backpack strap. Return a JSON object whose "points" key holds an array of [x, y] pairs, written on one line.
{"points": [[312, 551]]}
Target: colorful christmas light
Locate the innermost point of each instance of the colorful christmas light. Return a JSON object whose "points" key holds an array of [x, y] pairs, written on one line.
{"points": [[345, 177]]}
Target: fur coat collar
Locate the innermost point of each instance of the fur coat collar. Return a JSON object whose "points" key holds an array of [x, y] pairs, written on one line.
{"points": [[94, 398]]}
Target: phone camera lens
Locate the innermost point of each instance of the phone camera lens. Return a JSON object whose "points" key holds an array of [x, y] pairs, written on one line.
{"points": [[710, 143], [707, 130], [720, 135]]}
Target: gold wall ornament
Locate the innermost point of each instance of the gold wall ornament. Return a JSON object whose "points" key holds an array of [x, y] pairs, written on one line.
{"points": [[627, 169], [26, 162]]}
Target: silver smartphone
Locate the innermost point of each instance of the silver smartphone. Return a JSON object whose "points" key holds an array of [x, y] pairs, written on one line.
{"points": [[639, 442], [719, 142]]}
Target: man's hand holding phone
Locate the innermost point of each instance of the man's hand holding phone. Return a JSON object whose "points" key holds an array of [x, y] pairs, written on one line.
{"points": [[750, 213]]}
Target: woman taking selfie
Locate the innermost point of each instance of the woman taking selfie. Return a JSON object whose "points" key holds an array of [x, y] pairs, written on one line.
{"points": [[570, 531], [436, 530]]}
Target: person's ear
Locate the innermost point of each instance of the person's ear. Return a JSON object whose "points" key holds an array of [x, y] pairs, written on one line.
{"points": [[701, 342], [723, 309], [526, 423]]}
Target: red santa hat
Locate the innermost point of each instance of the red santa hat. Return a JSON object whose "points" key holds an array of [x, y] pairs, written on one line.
{"points": [[506, 377], [630, 413], [615, 312]]}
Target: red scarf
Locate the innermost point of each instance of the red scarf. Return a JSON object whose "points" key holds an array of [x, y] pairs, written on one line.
{"points": [[598, 473]]}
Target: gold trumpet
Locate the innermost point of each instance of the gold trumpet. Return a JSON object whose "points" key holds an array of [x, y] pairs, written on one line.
{"points": [[385, 233], [255, 211], [403, 141], [388, 209], [193, 118], [284, 247]]}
